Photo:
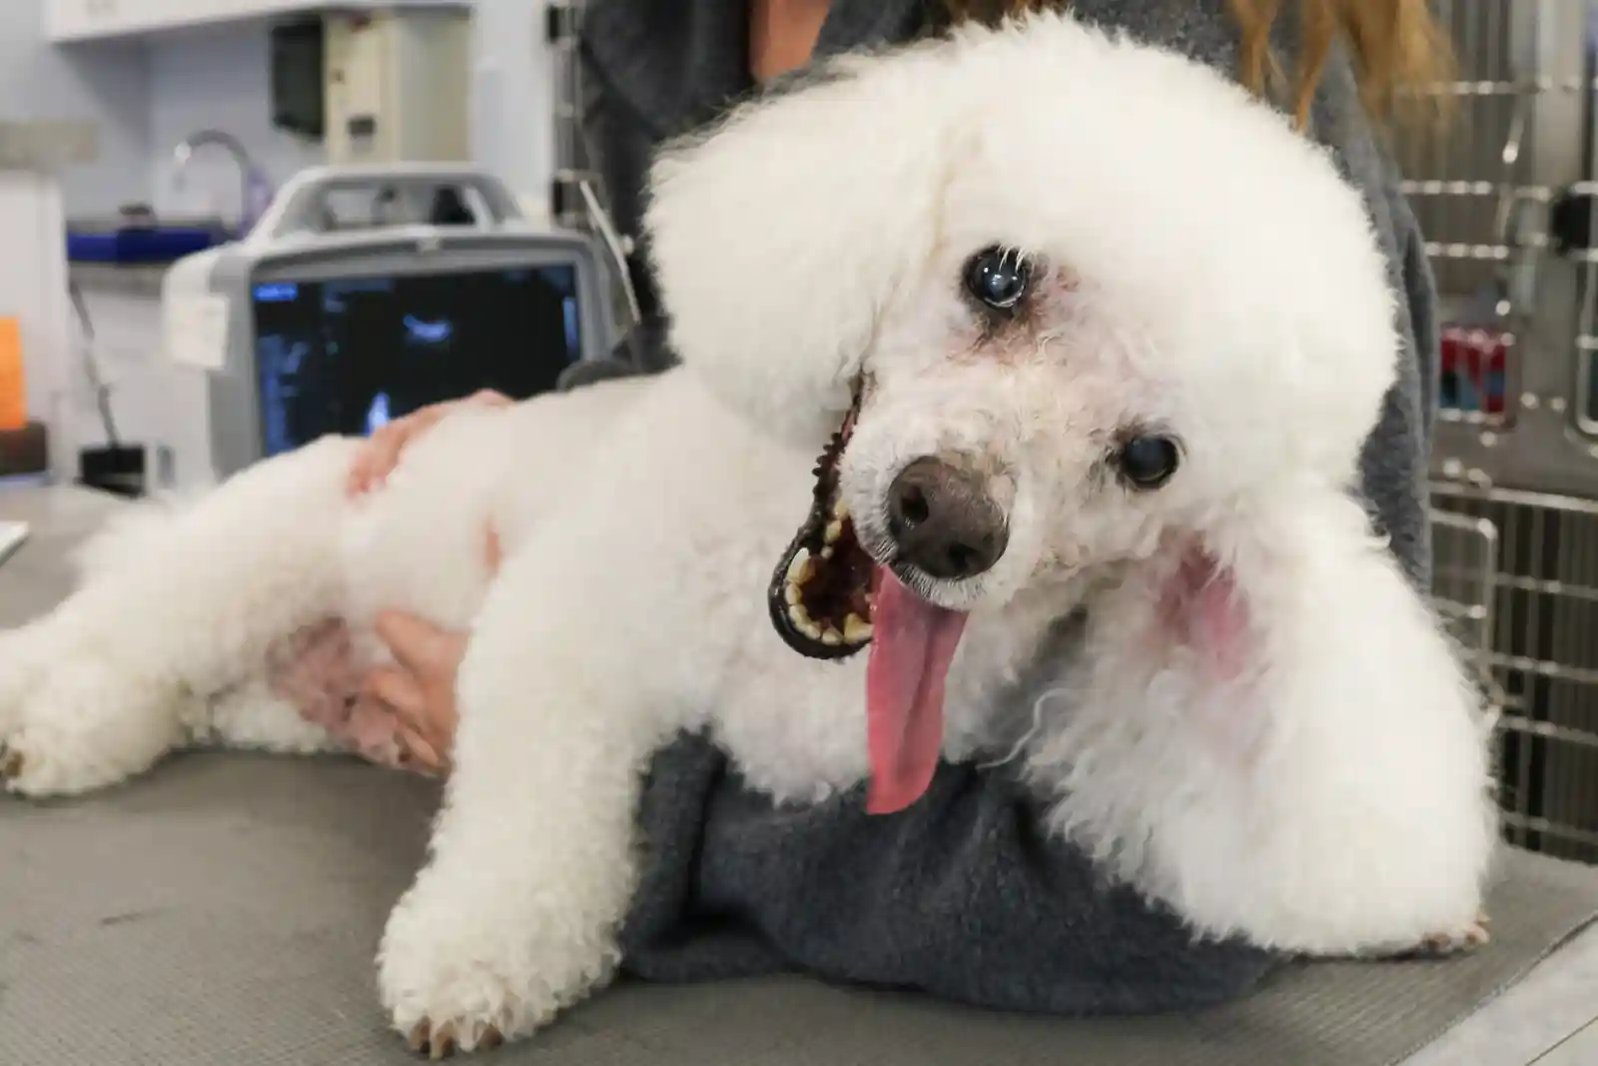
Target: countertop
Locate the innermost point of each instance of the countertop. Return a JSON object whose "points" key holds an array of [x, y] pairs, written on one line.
{"points": [[129, 279]]}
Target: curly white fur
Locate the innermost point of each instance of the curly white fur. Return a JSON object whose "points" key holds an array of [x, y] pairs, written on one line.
{"points": [[1315, 780]]}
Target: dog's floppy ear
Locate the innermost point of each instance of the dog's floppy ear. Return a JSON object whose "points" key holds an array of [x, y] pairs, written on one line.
{"points": [[1275, 736], [778, 236]]}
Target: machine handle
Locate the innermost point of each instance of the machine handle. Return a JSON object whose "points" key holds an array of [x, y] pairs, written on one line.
{"points": [[300, 205]]}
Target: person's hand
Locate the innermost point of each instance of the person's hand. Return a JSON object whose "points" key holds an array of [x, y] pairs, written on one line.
{"points": [[381, 452], [419, 689]]}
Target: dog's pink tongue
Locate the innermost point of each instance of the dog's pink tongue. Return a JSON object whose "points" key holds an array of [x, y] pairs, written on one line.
{"points": [[912, 644]]}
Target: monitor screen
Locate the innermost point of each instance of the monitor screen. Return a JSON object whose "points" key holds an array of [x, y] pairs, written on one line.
{"points": [[347, 355]]}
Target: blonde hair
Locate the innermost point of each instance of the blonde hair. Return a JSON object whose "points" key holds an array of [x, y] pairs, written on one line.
{"points": [[1398, 49]]}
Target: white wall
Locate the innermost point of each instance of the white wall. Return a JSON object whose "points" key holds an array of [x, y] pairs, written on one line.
{"points": [[221, 78], [513, 97], [145, 96], [108, 84], [109, 87], [218, 78], [33, 287]]}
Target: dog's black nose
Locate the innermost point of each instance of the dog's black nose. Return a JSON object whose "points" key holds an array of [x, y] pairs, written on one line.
{"points": [[943, 520]]}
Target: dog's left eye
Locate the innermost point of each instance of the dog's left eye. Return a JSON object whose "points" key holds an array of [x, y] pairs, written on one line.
{"points": [[1148, 461], [998, 277]]}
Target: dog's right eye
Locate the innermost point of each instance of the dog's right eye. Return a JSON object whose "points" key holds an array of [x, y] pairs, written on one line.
{"points": [[998, 277]]}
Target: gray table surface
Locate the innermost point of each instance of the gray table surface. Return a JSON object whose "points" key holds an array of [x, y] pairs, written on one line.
{"points": [[1548, 1019]]}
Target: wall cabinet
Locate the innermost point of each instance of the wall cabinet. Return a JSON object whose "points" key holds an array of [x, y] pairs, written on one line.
{"points": [[88, 20]]}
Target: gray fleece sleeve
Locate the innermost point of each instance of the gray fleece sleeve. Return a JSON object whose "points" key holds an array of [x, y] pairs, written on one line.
{"points": [[962, 895], [1420, 301], [1393, 466]]}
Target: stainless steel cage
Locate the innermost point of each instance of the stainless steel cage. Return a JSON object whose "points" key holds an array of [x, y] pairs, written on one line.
{"points": [[1506, 202]]}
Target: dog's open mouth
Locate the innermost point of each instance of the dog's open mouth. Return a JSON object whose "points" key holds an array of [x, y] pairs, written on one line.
{"points": [[821, 595], [829, 598]]}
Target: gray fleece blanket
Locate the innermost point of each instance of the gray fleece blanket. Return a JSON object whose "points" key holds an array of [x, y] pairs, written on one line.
{"points": [[962, 895]]}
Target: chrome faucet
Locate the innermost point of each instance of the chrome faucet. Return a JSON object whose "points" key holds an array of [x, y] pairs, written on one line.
{"points": [[255, 188]]}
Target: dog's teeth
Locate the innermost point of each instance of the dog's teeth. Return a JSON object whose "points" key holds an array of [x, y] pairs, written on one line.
{"points": [[831, 637], [840, 510], [791, 593], [826, 553], [834, 530], [811, 630], [801, 567], [799, 616], [856, 630]]}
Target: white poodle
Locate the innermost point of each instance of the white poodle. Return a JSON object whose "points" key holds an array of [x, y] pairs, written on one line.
{"points": [[1042, 409]]}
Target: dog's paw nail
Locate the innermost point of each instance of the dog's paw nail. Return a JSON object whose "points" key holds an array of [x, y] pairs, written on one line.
{"points": [[442, 1043], [1440, 944], [10, 764], [436, 1044], [443, 1040]]}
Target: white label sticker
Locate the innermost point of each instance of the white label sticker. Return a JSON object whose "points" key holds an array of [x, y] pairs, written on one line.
{"points": [[196, 331]]}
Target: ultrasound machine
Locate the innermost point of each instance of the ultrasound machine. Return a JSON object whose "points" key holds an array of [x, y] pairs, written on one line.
{"points": [[364, 294]]}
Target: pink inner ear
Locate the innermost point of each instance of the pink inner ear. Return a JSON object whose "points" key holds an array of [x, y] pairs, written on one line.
{"points": [[1200, 608]]}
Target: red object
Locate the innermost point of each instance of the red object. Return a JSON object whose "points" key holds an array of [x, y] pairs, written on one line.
{"points": [[1474, 368]]}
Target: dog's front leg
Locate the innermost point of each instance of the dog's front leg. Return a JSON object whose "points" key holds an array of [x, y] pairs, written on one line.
{"points": [[531, 871], [1272, 734]]}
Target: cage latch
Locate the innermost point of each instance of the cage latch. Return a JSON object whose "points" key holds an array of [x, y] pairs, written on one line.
{"points": [[1570, 218]]}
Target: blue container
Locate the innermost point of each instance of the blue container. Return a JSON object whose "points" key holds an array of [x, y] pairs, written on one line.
{"points": [[140, 244]]}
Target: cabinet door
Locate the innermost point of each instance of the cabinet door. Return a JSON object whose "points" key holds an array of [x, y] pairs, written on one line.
{"points": [[82, 19], [74, 19], [66, 19]]}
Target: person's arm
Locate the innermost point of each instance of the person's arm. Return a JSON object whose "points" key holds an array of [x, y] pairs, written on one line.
{"points": [[1420, 300], [1394, 465]]}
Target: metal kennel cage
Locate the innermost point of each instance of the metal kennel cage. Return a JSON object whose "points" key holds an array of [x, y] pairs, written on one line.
{"points": [[1506, 203]]}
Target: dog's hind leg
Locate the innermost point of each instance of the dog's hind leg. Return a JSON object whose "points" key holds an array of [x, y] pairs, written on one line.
{"points": [[254, 715], [127, 667]]}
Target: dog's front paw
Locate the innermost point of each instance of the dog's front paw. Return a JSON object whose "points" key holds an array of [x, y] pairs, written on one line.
{"points": [[460, 972], [445, 987], [440, 1042]]}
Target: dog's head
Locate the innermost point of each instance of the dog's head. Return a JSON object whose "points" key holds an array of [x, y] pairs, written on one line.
{"points": [[1068, 297]]}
